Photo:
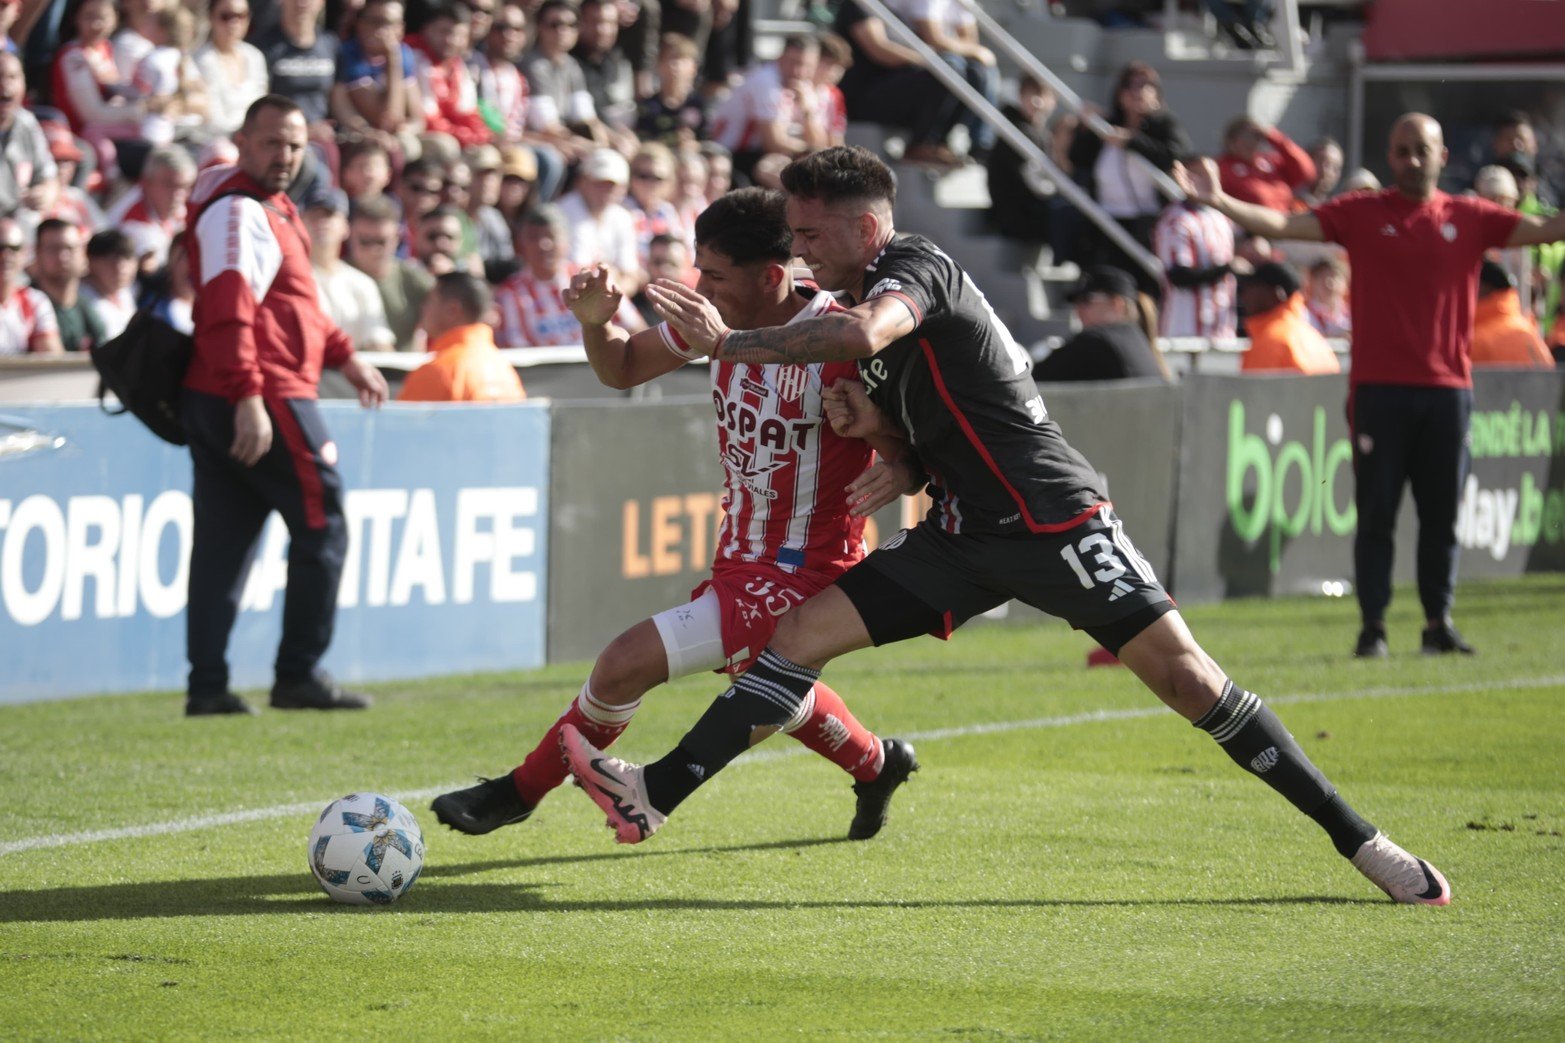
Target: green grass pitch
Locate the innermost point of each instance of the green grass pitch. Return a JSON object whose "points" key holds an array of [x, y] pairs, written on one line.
{"points": [[1071, 863]]}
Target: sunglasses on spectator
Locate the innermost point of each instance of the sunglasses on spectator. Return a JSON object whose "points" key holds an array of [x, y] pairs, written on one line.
{"points": [[234, 16], [12, 247], [558, 23], [649, 175], [428, 188], [372, 244]]}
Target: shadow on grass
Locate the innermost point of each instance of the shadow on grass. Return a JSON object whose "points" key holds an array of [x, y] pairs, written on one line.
{"points": [[442, 889]]}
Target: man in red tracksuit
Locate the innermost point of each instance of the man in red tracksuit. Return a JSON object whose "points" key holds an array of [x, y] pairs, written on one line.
{"points": [[256, 435]]}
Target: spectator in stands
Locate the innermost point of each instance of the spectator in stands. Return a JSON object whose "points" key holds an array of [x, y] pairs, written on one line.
{"points": [[772, 116], [437, 244], [27, 323], [640, 30], [445, 82], [1137, 124], [467, 366], [1503, 335], [372, 249], [1255, 250], [602, 230], [235, 71], [493, 233], [1276, 321], [1327, 297], [132, 41], [96, 98], [502, 89], [1548, 259], [348, 296], [1118, 330], [531, 307], [153, 212], [728, 46], [835, 60], [29, 179], [419, 191], [302, 59], [377, 95], [677, 114], [888, 84], [690, 185], [1196, 246], [366, 170], [719, 170], [59, 264], [518, 181], [606, 71], [1015, 210], [111, 279], [71, 202], [951, 31], [651, 198], [171, 88], [691, 19], [1326, 154], [668, 257], [1246, 27], [561, 111], [1361, 180], [1262, 165], [1515, 138], [1498, 185]]}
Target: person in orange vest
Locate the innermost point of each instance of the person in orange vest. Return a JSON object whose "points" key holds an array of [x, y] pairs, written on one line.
{"points": [[1502, 334], [467, 366], [1277, 322]]}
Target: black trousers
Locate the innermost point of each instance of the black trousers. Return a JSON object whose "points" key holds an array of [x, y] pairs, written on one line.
{"points": [[1403, 435], [230, 502]]}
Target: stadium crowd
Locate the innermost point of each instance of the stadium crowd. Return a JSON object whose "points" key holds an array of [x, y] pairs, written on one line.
{"points": [[523, 140]]}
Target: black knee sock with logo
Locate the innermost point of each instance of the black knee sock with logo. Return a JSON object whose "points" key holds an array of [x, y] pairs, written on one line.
{"points": [[769, 693], [1251, 734]]}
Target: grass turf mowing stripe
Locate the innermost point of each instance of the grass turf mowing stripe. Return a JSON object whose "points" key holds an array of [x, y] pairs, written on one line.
{"points": [[1090, 717]]}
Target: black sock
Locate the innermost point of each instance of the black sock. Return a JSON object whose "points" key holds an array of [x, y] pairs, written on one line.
{"points": [[769, 693], [1251, 734]]}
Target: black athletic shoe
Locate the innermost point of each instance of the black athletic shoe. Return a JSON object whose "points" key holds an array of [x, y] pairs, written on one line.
{"points": [[1371, 644], [874, 797], [212, 705], [1442, 639], [318, 692], [483, 808]]}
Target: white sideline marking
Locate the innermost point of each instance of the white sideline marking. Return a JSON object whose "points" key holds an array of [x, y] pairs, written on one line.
{"points": [[230, 818]]}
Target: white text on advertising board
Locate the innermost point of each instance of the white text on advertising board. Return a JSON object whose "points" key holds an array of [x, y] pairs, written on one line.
{"points": [[112, 558]]}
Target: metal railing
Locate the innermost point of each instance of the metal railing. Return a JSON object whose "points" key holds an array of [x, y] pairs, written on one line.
{"points": [[1008, 132]]}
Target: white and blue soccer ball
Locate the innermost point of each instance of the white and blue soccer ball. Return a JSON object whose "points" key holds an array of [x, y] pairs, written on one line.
{"points": [[366, 849]]}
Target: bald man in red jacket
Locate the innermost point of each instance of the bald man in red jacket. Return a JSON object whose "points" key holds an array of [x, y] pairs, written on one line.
{"points": [[256, 435]]}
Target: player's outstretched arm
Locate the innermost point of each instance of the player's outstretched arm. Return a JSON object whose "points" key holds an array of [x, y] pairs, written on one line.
{"points": [[619, 359], [1532, 230], [840, 336], [1203, 184]]}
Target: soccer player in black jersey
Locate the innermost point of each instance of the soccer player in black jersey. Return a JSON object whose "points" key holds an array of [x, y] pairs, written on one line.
{"points": [[1017, 513]]}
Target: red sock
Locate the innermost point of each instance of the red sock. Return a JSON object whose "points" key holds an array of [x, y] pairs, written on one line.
{"points": [[545, 767], [834, 733]]}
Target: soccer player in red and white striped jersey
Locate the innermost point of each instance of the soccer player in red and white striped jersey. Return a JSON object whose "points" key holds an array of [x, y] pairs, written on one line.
{"points": [[795, 501], [1196, 245]]}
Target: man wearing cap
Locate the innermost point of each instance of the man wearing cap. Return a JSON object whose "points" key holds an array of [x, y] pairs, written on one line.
{"points": [[1548, 259], [1414, 252], [467, 366], [493, 234], [603, 231], [1276, 319], [1112, 344], [1502, 334], [28, 178], [348, 296]]}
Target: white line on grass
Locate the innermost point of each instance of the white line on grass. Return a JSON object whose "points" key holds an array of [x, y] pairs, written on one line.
{"points": [[230, 818]]}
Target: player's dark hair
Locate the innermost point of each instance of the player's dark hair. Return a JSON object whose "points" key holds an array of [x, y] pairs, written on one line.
{"points": [[843, 172], [469, 291], [282, 104], [747, 225]]}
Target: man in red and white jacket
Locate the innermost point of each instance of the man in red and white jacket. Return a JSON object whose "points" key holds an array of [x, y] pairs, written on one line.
{"points": [[261, 340]]}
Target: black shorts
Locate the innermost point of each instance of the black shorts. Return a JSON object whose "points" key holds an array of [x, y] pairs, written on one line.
{"points": [[927, 581]]}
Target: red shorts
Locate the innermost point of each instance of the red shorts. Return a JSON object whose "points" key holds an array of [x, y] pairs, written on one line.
{"points": [[752, 597]]}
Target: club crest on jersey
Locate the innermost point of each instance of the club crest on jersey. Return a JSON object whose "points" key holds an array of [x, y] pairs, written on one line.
{"points": [[791, 381]]}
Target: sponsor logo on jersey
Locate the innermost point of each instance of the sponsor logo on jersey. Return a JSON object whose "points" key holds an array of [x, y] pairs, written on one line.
{"points": [[883, 286]]}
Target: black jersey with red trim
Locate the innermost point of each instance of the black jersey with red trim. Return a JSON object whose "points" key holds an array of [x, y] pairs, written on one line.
{"points": [[962, 388]]}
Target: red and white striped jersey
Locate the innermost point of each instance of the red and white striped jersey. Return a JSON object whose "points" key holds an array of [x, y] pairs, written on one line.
{"points": [[533, 312], [784, 468], [25, 316], [758, 100], [1192, 236]]}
